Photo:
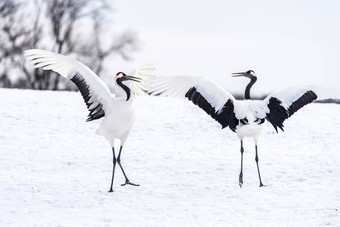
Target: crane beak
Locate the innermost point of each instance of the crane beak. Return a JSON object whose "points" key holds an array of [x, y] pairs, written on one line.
{"points": [[133, 78], [239, 74]]}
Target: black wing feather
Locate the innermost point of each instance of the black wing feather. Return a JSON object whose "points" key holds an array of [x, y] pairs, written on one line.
{"points": [[95, 112], [226, 116], [278, 114], [305, 99]]}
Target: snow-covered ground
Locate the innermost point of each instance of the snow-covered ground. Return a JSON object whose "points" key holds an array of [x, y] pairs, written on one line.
{"points": [[54, 171]]}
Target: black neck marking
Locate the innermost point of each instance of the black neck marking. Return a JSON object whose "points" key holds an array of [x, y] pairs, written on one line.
{"points": [[251, 83], [124, 87]]}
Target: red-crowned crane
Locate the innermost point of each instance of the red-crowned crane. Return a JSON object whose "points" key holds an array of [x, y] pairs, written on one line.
{"points": [[245, 117], [117, 109]]}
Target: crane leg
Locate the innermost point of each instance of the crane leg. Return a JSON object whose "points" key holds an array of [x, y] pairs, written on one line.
{"points": [[113, 168], [257, 164], [127, 181], [240, 180]]}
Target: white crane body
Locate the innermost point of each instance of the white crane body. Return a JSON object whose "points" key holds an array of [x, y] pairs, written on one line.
{"points": [[245, 117], [116, 109], [118, 123]]}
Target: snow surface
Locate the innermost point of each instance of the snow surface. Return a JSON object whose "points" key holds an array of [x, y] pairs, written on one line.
{"points": [[54, 171]]}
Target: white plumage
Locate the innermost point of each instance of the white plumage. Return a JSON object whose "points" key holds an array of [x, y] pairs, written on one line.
{"points": [[244, 117], [116, 109]]}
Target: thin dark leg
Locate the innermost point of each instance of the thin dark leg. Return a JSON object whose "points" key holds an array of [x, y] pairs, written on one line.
{"points": [[127, 181], [257, 163], [113, 168], [240, 180]]}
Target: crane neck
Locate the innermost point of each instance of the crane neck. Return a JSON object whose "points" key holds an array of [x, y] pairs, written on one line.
{"points": [[125, 88], [249, 86]]}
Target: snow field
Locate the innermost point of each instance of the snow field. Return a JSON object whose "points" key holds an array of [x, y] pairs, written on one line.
{"points": [[54, 171]]}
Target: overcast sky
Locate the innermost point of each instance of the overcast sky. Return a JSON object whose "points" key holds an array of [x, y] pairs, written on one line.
{"points": [[286, 43]]}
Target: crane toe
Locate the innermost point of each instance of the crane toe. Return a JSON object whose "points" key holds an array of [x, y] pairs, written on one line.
{"points": [[130, 183], [240, 180]]}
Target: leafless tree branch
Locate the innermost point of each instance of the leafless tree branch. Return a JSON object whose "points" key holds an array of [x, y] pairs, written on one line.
{"points": [[54, 25]]}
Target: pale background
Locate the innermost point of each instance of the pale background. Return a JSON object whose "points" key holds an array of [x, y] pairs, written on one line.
{"points": [[285, 42]]}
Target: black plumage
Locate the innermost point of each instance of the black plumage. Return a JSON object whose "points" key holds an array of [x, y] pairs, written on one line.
{"points": [[124, 87], [278, 114], [226, 116], [305, 99], [96, 112]]}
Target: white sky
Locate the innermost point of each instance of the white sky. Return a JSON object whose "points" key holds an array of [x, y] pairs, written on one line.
{"points": [[285, 42]]}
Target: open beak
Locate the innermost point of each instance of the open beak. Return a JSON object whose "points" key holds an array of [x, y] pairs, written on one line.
{"points": [[239, 74], [133, 78]]}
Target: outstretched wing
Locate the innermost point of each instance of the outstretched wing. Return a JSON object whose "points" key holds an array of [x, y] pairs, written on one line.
{"points": [[95, 92], [209, 96], [143, 72], [283, 104]]}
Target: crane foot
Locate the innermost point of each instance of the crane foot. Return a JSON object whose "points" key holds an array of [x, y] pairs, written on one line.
{"points": [[128, 182], [240, 180]]}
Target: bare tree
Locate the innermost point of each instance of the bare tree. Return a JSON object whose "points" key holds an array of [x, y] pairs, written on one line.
{"points": [[12, 38], [55, 25]]}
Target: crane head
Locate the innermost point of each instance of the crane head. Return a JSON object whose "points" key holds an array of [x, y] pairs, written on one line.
{"points": [[122, 77], [249, 74]]}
